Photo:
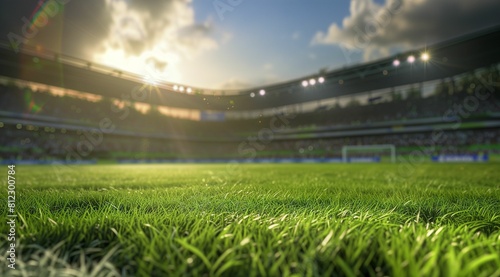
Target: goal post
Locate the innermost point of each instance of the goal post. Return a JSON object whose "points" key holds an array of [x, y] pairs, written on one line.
{"points": [[378, 148]]}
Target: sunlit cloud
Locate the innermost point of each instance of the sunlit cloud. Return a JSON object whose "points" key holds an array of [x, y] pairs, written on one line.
{"points": [[153, 39]]}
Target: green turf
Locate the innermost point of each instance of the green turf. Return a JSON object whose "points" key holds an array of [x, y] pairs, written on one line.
{"points": [[257, 220]]}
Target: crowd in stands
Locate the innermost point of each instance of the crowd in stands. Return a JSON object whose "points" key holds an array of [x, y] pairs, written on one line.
{"points": [[151, 134], [447, 95], [54, 144]]}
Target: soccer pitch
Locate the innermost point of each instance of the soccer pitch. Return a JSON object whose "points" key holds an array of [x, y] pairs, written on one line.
{"points": [[256, 220]]}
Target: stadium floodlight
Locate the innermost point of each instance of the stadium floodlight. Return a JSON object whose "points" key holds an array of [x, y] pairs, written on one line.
{"points": [[321, 80], [262, 92], [411, 59], [181, 89], [425, 56], [305, 83], [252, 94], [396, 63], [312, 82], [189, 90], [176, 87]]}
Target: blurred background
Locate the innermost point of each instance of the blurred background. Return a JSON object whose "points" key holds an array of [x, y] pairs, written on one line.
{"points": [[218, 81]]}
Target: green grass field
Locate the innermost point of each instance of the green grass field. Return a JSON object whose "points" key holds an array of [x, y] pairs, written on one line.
{"points": [[256, 220]]}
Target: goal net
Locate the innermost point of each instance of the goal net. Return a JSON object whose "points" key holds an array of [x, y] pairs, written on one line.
{"points": [[368, 153]]}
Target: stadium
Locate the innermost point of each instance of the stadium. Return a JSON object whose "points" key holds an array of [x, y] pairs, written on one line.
{"points": [[386, 167]]}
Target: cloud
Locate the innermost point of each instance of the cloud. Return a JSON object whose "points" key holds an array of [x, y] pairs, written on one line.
{"points": [[378, 29], [153, 37]]}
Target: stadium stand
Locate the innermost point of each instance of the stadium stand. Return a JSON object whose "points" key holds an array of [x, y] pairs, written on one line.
{"points": [[41, 121]]}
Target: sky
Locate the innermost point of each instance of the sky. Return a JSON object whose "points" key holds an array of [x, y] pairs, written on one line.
{"points": [[236, 44]]}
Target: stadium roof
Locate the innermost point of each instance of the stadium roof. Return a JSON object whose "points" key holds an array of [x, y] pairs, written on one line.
{"points": [[445, 59]]}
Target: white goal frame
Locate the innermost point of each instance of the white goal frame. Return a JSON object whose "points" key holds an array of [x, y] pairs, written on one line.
{"points": [[391, 147]]}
